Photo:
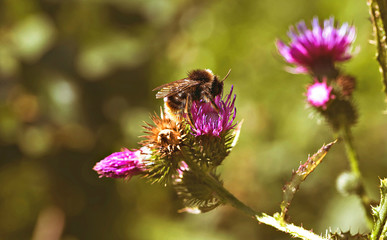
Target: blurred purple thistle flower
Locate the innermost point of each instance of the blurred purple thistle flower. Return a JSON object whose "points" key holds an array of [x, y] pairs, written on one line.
{"points": [[124, 164], [207, 121], [319, 94], [318, 49]]}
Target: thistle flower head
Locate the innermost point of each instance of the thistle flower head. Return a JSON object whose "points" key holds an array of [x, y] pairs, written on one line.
{"points": [[316, 50], [164, 135], [319, 94], [124, 164], [207, 121]]}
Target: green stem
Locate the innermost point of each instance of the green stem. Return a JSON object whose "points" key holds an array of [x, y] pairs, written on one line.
{"points": [[227, 197], [354, 165], [350, 150]]}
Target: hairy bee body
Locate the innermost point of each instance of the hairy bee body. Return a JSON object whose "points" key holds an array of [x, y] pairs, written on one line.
{"points": [[175, 105], [179, 95]]}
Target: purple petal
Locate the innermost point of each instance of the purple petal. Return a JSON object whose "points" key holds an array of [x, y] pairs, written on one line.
{"points": [[209, 122]]}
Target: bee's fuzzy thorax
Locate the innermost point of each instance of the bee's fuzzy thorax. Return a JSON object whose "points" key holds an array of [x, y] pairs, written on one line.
{"points": [[201, 75]]}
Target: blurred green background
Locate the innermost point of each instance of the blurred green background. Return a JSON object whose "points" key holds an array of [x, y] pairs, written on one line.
{"points": [[75, 85]]}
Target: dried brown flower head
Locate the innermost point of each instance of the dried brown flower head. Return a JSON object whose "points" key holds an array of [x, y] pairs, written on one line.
{"points": [[164, 134]]}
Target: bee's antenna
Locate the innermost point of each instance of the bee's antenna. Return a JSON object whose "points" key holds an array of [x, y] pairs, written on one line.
{"points": [[227, 75]]}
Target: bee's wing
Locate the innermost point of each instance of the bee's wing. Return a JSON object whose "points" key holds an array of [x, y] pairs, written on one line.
{"points": [[175, 87]]}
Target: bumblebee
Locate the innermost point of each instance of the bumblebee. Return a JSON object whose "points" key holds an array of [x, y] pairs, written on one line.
{"points": [[179, 95]]}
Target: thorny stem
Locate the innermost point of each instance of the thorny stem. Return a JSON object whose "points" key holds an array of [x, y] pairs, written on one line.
{"points": [[378, 13], [292, 229], [354, 164], [276, 222]]}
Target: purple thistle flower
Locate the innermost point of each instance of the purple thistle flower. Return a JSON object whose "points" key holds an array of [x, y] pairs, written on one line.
{"points": [[124, 164], [207, 121], [319, 94], [317, 50]]}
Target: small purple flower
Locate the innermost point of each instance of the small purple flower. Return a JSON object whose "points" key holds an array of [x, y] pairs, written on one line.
{"points": [[319, 94], [207, 121], [124, 164], [317, 50]]}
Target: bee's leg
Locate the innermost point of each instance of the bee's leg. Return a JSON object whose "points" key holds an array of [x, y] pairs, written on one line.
{"points": [[213, 104], [211, 100], [187, 109]]}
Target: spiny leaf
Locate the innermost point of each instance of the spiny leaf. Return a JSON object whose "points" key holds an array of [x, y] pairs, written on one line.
{"points": [[347, 236], [380, 214], [300, 175], [197, 196]]}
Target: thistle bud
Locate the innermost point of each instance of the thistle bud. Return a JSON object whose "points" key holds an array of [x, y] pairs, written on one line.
{"points": [[340, 113], [347, 84], [347, 183]]}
